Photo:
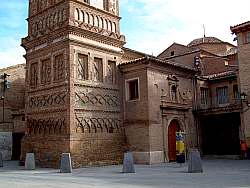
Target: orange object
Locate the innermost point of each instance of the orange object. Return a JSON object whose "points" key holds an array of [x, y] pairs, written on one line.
{"points": [[243, 146]]}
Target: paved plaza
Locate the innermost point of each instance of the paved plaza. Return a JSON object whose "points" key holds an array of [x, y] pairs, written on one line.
{"points": [[217, 173]]}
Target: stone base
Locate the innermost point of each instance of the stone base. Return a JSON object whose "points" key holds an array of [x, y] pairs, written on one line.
{"points": [[66, 166], [30, 161], [128, 163], [1, 159], [153, 157]]}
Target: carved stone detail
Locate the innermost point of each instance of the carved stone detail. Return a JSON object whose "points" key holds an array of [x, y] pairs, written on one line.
{"points": [[48, 126]]}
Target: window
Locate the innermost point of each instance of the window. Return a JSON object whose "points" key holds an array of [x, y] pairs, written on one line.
{"points": [[59, 68], [82, 67], [172, 53], [204, 96], [111, 72], [236, 92], [33, 75], [98, 70], [222, 95], [174, 93], [248, 37], [46, 72], [132, 87]]}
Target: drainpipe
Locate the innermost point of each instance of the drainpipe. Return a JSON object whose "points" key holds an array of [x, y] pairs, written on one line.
{"points": [[163, 130]]}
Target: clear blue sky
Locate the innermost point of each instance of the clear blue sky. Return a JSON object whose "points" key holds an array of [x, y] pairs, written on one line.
{"points": [[149, 25]]}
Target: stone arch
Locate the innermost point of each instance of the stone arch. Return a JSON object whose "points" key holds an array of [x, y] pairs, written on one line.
{"points": [[109, 26], [96, 21], [101, 22], [174, 125], [91, 19], [86, 18], [77, 14], [105, 24], [113, 27], [83, 16]]}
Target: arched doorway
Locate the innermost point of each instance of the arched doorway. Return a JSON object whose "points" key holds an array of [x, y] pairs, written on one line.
{"points": [[172, 129]]}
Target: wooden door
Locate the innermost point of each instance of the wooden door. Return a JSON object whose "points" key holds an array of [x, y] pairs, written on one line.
{"points": [[172, 140]]}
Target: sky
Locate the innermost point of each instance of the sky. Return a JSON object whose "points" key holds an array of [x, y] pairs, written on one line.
{"points": [[150, 26]]}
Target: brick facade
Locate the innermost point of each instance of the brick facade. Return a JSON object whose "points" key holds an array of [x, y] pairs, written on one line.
{"points": [[14, 120], [88, 95], [73, 101], [242, 32]]}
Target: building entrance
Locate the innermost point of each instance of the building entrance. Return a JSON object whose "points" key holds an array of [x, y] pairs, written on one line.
{"points": [[172, 129], [16, 150], [220, 134]]}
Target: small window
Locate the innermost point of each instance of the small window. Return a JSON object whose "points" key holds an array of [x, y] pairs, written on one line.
{"points": [[222, 95], [111, 72], [133, 89], [236, 92], [204, 96], [248, 37], [82, 67], [98, 69], [172, 53]]}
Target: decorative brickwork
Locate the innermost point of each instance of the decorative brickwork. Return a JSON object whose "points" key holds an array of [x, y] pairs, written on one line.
{"points": [[53, 99], [46, 72], [33, 75], [59, 68], [72, 93]]}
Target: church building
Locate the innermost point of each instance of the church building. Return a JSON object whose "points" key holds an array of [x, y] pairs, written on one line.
{"points": [[88, 95]]}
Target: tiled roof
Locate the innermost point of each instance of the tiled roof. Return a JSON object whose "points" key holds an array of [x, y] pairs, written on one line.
{"points": [[156, 60], [204, 40], [239, 26], [221, 75]]}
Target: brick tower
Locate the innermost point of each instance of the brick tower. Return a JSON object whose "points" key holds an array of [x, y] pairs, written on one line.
{"points": [[73, 99]]}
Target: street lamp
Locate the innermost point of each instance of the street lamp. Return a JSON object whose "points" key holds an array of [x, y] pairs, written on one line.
{"points": [[243, 96]]}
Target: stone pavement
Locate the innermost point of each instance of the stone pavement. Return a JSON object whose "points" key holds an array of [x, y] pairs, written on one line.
{"points": [[217, 173]]}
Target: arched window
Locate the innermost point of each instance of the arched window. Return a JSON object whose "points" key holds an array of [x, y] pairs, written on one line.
{"points": [[100, 22], [86, 18], [77, 14], [113, 27], [105, 24], [81, 15], [96, 21], [174, 93], [109, 26]]}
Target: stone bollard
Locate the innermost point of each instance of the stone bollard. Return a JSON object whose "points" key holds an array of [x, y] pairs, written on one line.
{"points": [[66, 166], [128, 163], [1, 159], [195, 163], [30, 161]]}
